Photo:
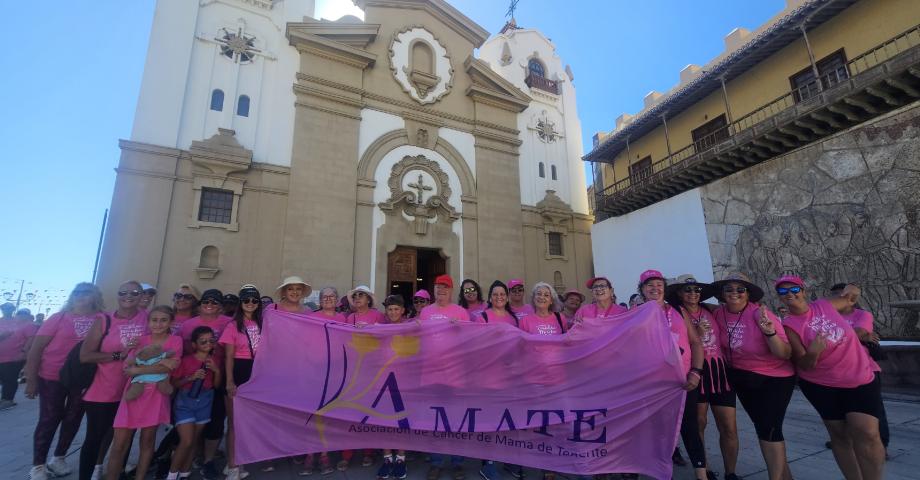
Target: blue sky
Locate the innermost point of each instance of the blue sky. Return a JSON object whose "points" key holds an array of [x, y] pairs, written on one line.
{"points": [[72, 72]]}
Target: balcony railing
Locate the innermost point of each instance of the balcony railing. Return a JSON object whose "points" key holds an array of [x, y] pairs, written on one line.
{"points": [[685, 157], [542, 83]]}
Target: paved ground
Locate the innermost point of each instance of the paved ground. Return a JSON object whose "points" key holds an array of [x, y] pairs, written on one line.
{"points": [[805, 436]]}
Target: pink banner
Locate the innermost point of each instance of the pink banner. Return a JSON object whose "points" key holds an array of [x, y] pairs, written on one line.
{"points": [[603, 398]]}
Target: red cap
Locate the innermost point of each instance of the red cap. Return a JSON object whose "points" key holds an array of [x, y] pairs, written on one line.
{"points": [[650, 274], [590, 283], [793, 279], [444, 280]]}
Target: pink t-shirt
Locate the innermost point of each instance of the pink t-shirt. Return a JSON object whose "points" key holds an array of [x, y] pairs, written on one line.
{"points": [[66, 331], [337, 317], [548, 325], [371, 317], [218, 325], [591, 310], [744, 344], [449, 312], [844, 363], [680, 334], [710, 340], [232, 336], [12, 348], [476, 312], [188, 367], [494, 317], [176, 326], [109, 382], [862, 319], [522, 311]]}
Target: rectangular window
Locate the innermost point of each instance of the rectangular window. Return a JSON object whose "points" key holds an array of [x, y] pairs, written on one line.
{"points": [[709, 134], [832, 69], [640, 170], [555, 243], [216, 205]]}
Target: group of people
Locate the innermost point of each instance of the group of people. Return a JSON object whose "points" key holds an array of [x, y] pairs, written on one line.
{"points": [[182, 364]]}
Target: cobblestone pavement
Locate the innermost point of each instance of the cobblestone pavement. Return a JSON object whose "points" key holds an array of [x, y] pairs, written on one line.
{"points": [[805, 437]]}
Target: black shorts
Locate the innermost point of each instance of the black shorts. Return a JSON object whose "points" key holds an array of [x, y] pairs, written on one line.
{"points": [[720, 399], [834, 403], [242, 370], [765, 400]]}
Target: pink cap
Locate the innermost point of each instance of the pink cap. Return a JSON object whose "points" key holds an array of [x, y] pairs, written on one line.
{"points": [[514, 282], [648, 275], [590, 282], [793, 279], [422, 294]]}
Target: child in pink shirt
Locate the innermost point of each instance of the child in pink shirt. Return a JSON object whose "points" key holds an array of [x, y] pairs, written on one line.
{"points": [[394, 465]]}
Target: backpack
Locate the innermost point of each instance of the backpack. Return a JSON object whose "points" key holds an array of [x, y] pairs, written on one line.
{"points": [[76, 375]]}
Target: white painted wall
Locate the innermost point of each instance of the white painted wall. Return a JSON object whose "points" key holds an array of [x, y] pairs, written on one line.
{"points": [[567, 151], [184, 65], [374, 124], [669, 236]]}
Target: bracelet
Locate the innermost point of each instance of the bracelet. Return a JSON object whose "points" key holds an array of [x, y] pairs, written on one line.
{"points": [[694, 373], [116, 356], [770, 334], [698, 371]]}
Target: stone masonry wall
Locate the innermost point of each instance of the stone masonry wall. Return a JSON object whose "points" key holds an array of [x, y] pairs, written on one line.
{"points": [[842, 209]]}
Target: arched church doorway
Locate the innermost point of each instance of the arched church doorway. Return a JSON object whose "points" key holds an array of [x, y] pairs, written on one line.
{"points": [[412, 268]]}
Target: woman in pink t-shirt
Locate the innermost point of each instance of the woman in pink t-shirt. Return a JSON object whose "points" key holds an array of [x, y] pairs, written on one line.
{"points": [[470, 298], [328, 296], [546, 319], [652, 286], [108, 350], [16, 334], [757, 356], [498, 309], [516, 296], [152, 407], [836, 376], [185, 303], [362, 303], [58, 405], [604, 305], [686, 294], [241, 340]]}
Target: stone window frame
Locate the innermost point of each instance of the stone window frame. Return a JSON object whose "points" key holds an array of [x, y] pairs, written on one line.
{"points": [[563, 233], [201, 181]]}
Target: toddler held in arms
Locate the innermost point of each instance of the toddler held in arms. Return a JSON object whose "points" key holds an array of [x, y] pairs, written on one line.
{"points": [[149, 355]]}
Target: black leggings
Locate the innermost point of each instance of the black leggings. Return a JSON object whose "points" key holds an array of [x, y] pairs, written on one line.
{"points": [[690, 431], [9, 377], [765, 400], [99, 419]]}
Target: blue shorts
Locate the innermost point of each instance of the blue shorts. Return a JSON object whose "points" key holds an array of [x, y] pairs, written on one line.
{"points": [[193, 410]]}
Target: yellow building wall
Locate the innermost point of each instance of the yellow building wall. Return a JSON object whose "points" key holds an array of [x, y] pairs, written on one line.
{"points": [[857, 29]]}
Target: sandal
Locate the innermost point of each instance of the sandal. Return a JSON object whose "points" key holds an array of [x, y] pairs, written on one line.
{"points": [[367, 461], [342, 465], [325, 465]]}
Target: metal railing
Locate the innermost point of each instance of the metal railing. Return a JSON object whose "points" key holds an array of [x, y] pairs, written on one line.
{"points": [[542, 83], [678, 159]]}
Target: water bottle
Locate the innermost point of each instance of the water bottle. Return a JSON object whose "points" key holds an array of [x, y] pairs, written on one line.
{"points": [[198, 383]]}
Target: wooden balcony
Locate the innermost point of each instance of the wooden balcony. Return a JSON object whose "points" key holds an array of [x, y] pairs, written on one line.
{"points": [[880, 80], [542, 83]]}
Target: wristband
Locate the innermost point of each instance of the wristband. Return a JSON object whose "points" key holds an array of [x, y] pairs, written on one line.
{"points": [[770, 334], [116, 356], [698, 371], [694, 373]]}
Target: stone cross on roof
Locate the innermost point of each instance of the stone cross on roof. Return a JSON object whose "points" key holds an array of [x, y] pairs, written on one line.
{"points": [[421, 187]]}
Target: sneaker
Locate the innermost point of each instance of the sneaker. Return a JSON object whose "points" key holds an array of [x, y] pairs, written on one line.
{"points": [[209, 471], [325, 465], [732, 476], [97, 473], [386, 469], [488, 470], [367, 461], [458, 472], [434, 473], [38, 473], [342, 465], [58, 467], [677, 459], [233, 473], [7, 404], [243, 473], [399, 469], [516, 471]]}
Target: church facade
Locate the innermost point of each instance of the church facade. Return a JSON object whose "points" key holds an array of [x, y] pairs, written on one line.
{"points": [[380, 152]]}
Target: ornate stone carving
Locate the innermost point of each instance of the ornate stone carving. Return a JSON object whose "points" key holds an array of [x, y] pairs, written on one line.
{"points": [[424, 83], [553, 209], [409, 174], [546, 131]]}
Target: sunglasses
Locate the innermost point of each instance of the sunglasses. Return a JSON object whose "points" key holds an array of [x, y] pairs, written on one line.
{"points": [[692, 289], [205, 341], [419, 300], [783, 290], [210, 302], [469, 290], [133, 293], [252, 300], [517, 289], [599, 287], [734, 290], [183, 296]]}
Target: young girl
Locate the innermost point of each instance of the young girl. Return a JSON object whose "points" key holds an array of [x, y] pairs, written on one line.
{"points": [[241, 342], [393, 466], [151, 408], [193, 404]]}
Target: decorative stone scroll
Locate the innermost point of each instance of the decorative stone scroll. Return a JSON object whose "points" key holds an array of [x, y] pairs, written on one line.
{"points": [[420, 189]]}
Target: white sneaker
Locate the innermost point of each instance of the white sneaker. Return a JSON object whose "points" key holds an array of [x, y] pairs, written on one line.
{"points": [[58, 467], [243, 473], [38, 473], [233, 473], [97, 473]]}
